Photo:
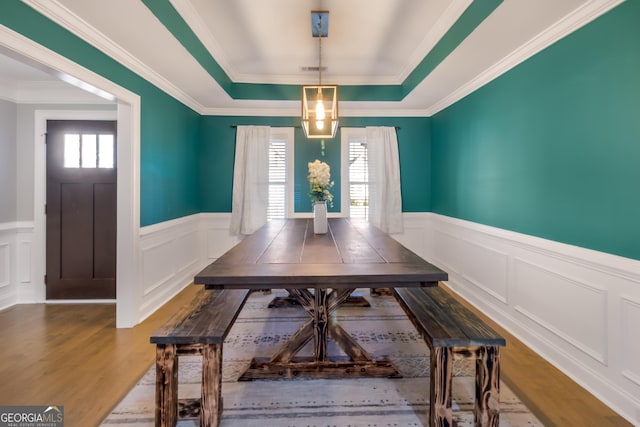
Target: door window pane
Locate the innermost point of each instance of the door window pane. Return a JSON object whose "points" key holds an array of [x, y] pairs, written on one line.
{"points": [[89, 151], [105, 155], [71, 150]]}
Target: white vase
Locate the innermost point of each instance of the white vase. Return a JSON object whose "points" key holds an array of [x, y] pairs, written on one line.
{"points": [[320, 217]]}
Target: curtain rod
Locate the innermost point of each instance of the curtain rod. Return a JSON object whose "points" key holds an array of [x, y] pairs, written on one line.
{"points": [[300, 127]]}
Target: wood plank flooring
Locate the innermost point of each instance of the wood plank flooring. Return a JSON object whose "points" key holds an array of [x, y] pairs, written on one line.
{"points": [[73, 355]]}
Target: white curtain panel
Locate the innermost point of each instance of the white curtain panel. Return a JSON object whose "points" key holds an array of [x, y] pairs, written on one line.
{"points": [[385, 199], [250, 179]]}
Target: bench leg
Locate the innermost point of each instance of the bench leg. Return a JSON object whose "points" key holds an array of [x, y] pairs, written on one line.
{"points": [[166, 413], [440, 413], [211, 403], [487, 408]]}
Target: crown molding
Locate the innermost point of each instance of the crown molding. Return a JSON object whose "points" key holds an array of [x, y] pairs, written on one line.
{"points": [[262, 111], [268, 109], [439, 29], [64, 17], [190, 15], [562, 28], [361, 110]]}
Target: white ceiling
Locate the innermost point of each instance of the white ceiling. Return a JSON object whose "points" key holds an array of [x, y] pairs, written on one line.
{"points": [[370, 42]]}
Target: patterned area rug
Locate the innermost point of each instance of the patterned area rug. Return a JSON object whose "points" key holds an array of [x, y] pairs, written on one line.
{"points": [[382, 329]]}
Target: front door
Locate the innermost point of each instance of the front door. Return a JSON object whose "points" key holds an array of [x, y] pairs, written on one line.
{"points": [[81, 210]]}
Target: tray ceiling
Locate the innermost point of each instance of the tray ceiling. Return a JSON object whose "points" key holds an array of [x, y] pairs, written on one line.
{"points": [[403, 57]]}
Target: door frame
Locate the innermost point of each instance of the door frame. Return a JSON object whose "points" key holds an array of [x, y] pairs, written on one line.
{"points": [[40, 183], [128, 294]]}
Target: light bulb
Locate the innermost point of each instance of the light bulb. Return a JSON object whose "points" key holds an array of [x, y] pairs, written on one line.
{"points": [[319, 110], [320, 124]]}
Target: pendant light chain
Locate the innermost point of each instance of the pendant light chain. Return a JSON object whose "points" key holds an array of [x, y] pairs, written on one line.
{"points": [[320, 51]]}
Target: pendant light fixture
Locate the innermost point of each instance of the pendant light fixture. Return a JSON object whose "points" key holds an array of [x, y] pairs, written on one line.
{"points": [[320, 102]]}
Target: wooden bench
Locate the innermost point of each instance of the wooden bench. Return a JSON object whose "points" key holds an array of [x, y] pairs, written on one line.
{"points": [[452, 330], [199, 328]]}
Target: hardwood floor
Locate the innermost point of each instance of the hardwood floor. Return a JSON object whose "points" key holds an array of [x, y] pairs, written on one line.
{"points": [[72, 355]]}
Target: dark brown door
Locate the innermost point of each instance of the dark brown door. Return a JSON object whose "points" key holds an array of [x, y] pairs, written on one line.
{"points": [[81, 209]]}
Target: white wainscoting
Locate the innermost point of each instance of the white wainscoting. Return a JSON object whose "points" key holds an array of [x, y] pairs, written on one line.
{"points": [[16, 264], [173, 252], [218, 239], [170, 255], [8, 292], [578, 308]]}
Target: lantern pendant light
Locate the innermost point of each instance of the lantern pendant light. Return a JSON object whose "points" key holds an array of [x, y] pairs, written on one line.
{"points": [[320, 102]]}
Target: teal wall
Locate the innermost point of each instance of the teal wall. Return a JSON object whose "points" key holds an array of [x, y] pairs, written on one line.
{"points": [[169, 158], [187, 160], [217, 153], [414, 150], [169, 130], [552, 148]]}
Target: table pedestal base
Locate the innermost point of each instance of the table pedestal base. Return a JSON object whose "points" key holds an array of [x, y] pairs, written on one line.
{"points": [[263, 368], [320, 304]]}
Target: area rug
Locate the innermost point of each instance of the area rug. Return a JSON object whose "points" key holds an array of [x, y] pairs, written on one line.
{"points": [[382, 329]]}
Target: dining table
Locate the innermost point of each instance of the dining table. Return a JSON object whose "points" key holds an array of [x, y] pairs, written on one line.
{"points": [[320, 271]]}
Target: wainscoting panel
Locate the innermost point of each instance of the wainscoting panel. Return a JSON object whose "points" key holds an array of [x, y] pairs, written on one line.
{"points": [[577, 308], [414, 235], [487, 270], [24, 261], [16, 264], [8, 294], [5, 263], [187, 255], [170, 256], [158, 266], [631, 339], [29, 266], [483, 266], [576, 312], [218, 237], [173, 252]]}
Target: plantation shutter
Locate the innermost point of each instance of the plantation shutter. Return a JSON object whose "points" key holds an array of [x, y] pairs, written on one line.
{"points": [[277, 178], [358, 179]]}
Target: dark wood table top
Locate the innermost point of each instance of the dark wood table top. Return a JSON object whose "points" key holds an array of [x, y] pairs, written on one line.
{"points": [[287, 254]]}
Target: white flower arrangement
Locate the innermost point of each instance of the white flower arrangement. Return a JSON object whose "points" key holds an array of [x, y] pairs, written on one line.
{"points": [[320, 182]]}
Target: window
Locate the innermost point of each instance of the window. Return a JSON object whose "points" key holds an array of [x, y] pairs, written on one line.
{"points": [[356, 188], [358, 179], [88, 151], [280, 173], [277, 178]]}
